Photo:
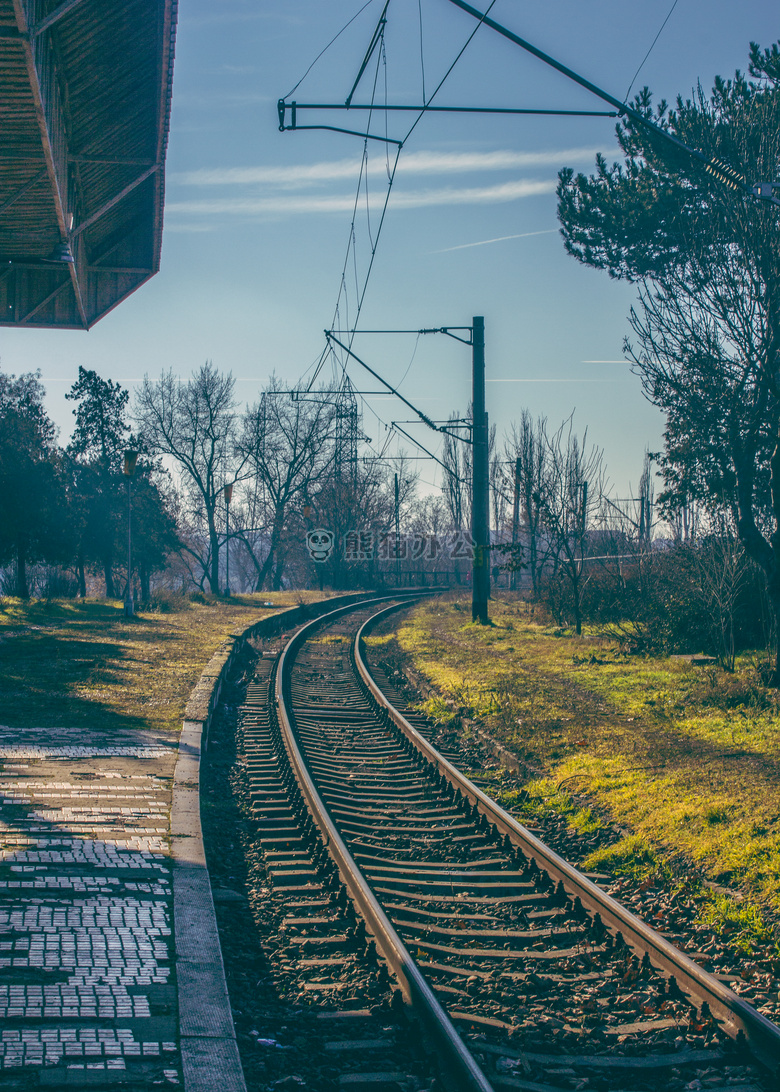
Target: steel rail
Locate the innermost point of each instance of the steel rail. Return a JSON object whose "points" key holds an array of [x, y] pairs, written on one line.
{"points": [[461, 1070], [732, 1012]]}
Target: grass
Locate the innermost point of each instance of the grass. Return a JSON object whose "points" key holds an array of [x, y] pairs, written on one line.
{"points": [[741, 923], [82, 664], [684, 757], [631, 857]]}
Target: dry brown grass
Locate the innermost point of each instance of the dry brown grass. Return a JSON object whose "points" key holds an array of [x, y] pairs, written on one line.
{"points": [[82, 664]]}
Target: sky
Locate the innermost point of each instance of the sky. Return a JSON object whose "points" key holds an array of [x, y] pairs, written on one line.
{"points": [[261, 255]]}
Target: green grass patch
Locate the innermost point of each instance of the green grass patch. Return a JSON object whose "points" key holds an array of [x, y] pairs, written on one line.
{"points": [[741, 923], [631, 857], [437, 709], [673, 752]]}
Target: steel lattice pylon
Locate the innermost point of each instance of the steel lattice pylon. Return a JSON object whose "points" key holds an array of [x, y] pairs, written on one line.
{"points": [[347, 433]]}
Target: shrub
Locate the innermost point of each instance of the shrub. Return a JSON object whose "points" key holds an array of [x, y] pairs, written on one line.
{"points": [[683, 598], [164, 601]]}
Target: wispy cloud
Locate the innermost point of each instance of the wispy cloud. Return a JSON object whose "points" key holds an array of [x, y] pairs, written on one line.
{"points": [[500, 239], [477, 195], [412, 163]]}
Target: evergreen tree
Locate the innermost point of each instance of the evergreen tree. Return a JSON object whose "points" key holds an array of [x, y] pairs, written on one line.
{"points": [[98, 442], [707, 322], [33, 526], [98, 487]]}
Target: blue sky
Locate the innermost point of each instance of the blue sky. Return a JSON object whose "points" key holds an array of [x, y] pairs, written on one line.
{"points": [[257, 224]]}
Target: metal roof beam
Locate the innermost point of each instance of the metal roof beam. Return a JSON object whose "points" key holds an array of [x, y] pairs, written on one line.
{"points": [[44, 85], [49, 110], [134, 269], [46, 299], [115, 241], [54, 17], [104, 208], [36, 178], [103, 161]]}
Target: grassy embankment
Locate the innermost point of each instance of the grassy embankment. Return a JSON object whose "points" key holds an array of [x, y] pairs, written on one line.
{"points": [[684, 757], [82, 664]]}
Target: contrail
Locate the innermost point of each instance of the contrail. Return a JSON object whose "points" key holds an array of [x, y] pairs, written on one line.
{"points": [[500, 239]]}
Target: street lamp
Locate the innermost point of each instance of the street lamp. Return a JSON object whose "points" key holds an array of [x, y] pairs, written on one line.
{"points": [[228, 493], [131, 458]]}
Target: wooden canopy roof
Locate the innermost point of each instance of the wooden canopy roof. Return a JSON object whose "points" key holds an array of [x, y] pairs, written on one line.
{"points": [[85, 99]]}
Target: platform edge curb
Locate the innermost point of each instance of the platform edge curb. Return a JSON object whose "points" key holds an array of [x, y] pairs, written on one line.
{"points": [[209, 1051]]}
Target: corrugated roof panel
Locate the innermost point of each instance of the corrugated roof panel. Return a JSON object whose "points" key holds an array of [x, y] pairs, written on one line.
{"points": [[84, 111]]}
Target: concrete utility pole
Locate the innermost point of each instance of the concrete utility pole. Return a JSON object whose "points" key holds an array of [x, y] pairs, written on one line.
{"points": [[397, 537], [480, 480], [480, 495]]}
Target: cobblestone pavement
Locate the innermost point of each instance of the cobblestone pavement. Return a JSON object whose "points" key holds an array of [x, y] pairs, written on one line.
{"points": [[87, 974]]}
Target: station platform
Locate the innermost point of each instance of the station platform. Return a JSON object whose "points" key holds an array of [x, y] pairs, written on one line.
{"points": [[88, 963]]}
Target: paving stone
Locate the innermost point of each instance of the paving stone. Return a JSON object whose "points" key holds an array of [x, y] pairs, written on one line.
{"points": [[87, 978]]}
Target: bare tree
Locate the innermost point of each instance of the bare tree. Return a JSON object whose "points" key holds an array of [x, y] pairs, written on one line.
{"points": [[456, 485], [528, 442], [720, 568], [457, 459], [193, 423], [287, 447], [645, 502], [570, 497]]}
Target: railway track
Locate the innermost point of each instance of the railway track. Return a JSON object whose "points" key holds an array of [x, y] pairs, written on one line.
{"points": [[429, 940]]}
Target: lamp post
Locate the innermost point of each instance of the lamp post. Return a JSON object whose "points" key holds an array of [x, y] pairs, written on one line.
{"points": [[228, 493], [131, 458]]}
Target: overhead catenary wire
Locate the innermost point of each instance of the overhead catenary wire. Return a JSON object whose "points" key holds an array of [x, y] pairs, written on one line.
{"points": [[409, 365], [397, 158], [395, 164], [394, 425], [376, 46], [374, 241], [422, 48], [351, 244], [375, 41]]}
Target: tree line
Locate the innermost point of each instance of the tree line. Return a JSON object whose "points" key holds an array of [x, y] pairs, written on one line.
{"points": [[64, 510], [698, 565], [661, 576]]}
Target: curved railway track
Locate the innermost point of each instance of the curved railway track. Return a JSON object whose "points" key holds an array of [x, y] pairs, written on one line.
{"points": [[402, 889]]}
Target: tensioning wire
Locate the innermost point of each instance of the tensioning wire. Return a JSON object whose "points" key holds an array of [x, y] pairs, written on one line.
{"points": [[327, 47], [650, 50]]}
